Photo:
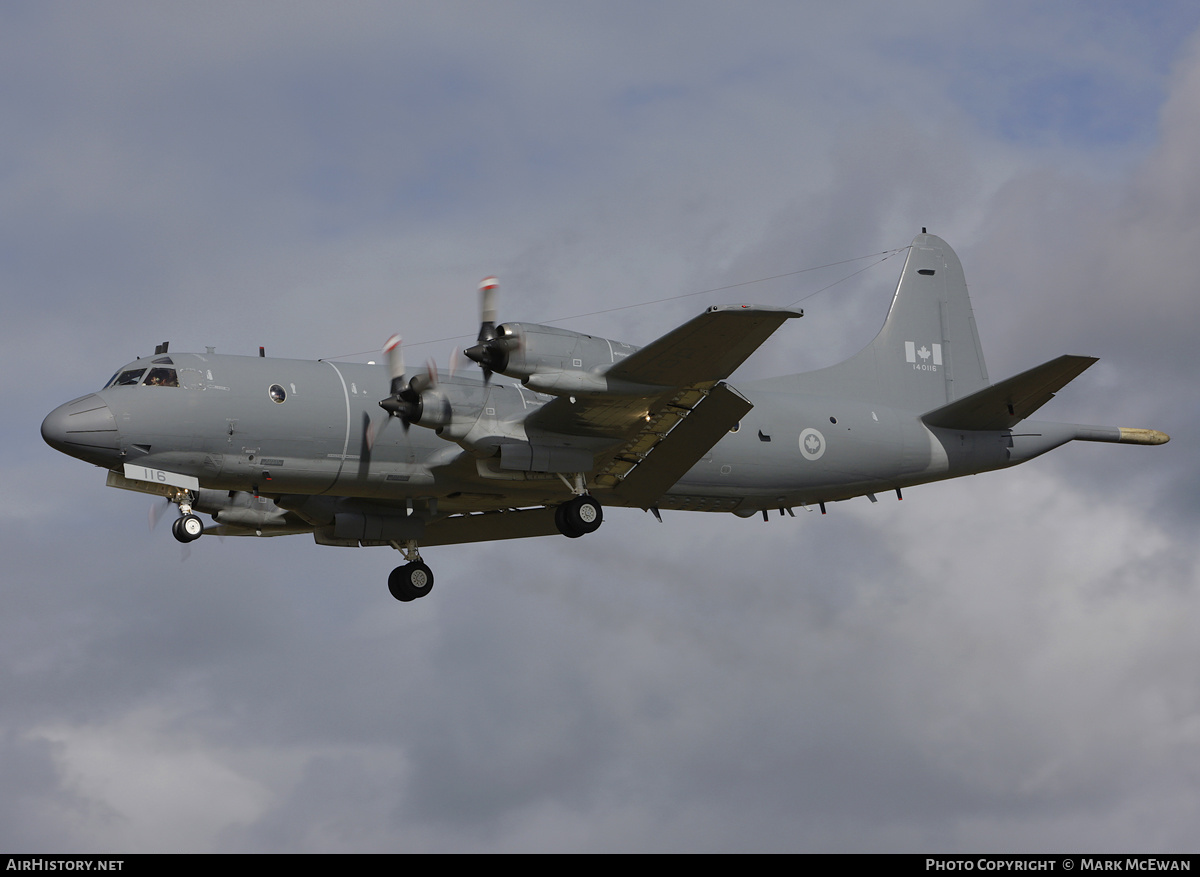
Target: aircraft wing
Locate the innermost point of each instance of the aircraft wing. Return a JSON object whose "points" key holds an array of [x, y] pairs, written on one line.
{"points": [[1004, 405], [489, 526], [643, 443], [707, 348], [452, 530]]}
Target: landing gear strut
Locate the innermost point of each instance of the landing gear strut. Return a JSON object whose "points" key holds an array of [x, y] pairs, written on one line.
{"points": [[579, 516], [412, 580]]}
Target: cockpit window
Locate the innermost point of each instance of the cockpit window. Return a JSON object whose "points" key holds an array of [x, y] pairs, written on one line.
{"points": [[162, 377], [162, 360], [155, 377], [127, 378]]}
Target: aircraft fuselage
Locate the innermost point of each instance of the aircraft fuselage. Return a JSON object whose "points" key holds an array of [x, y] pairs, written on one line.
{"points": [[278, 426]]}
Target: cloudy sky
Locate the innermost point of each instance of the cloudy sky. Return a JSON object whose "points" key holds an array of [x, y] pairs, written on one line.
{"points": [[1006, 662]]}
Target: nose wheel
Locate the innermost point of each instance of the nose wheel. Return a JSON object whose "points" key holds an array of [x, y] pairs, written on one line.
{"points": [[188, 528]]}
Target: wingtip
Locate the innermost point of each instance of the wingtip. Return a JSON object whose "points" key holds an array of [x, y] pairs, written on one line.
{"points": [[786, 313]]}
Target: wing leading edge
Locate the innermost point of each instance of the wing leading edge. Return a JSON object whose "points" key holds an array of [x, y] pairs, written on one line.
{"points": [[707, 348]]}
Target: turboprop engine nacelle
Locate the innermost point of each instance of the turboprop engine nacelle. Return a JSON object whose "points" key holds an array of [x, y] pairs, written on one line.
{"points": [[555, 361]]}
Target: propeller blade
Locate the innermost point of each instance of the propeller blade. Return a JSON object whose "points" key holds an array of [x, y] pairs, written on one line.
{"points": [[405, 399], [374, 434], [402, 402], [156, 512], [487, 325], [395, 358], [487, 308]]}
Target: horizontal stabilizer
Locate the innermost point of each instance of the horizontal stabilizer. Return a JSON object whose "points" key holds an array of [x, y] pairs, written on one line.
{"points": [[1007, 403]]}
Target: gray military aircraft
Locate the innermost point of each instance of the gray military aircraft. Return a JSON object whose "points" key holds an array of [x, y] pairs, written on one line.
{"points": [[270, 447]]}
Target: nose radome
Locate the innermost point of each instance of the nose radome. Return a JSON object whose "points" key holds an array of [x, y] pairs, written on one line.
{"points": [[84, 428]]}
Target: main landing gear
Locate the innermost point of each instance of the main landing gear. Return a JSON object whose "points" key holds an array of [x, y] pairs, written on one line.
{"points": [[579, 516], [412, 580], [576, 517]]}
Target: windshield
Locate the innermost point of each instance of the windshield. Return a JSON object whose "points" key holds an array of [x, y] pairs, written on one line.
{"points": [[127, 378], [155, 377]]}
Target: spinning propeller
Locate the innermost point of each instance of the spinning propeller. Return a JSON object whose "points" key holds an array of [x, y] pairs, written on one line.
{"points": [[492, 350], [405, 399]]}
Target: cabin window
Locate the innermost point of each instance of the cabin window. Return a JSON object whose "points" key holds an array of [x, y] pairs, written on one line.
{"points": [[278, 394]]}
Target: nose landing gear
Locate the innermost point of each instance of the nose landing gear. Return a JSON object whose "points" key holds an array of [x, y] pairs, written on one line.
{"points": [[188, 527], [578, 516]]}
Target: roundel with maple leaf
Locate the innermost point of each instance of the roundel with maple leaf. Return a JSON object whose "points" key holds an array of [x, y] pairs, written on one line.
{"points": [[812, 444]]}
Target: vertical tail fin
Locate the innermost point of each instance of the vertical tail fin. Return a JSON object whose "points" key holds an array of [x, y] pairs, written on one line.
{"points": [[928, 352]]}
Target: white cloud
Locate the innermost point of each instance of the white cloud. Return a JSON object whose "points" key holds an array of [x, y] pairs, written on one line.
{"points": [[152, 786]]}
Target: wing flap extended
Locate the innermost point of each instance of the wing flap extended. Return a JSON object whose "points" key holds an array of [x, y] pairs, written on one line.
{"points": [[1003, 405], [488, 526], [452, 530], [655, 461]]}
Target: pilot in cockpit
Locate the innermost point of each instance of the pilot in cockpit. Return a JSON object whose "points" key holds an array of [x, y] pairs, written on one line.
{"points": [[162, 377]]}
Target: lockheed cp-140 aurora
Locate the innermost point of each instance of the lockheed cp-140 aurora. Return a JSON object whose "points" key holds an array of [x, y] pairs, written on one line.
{"points": [[272, 447]]}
